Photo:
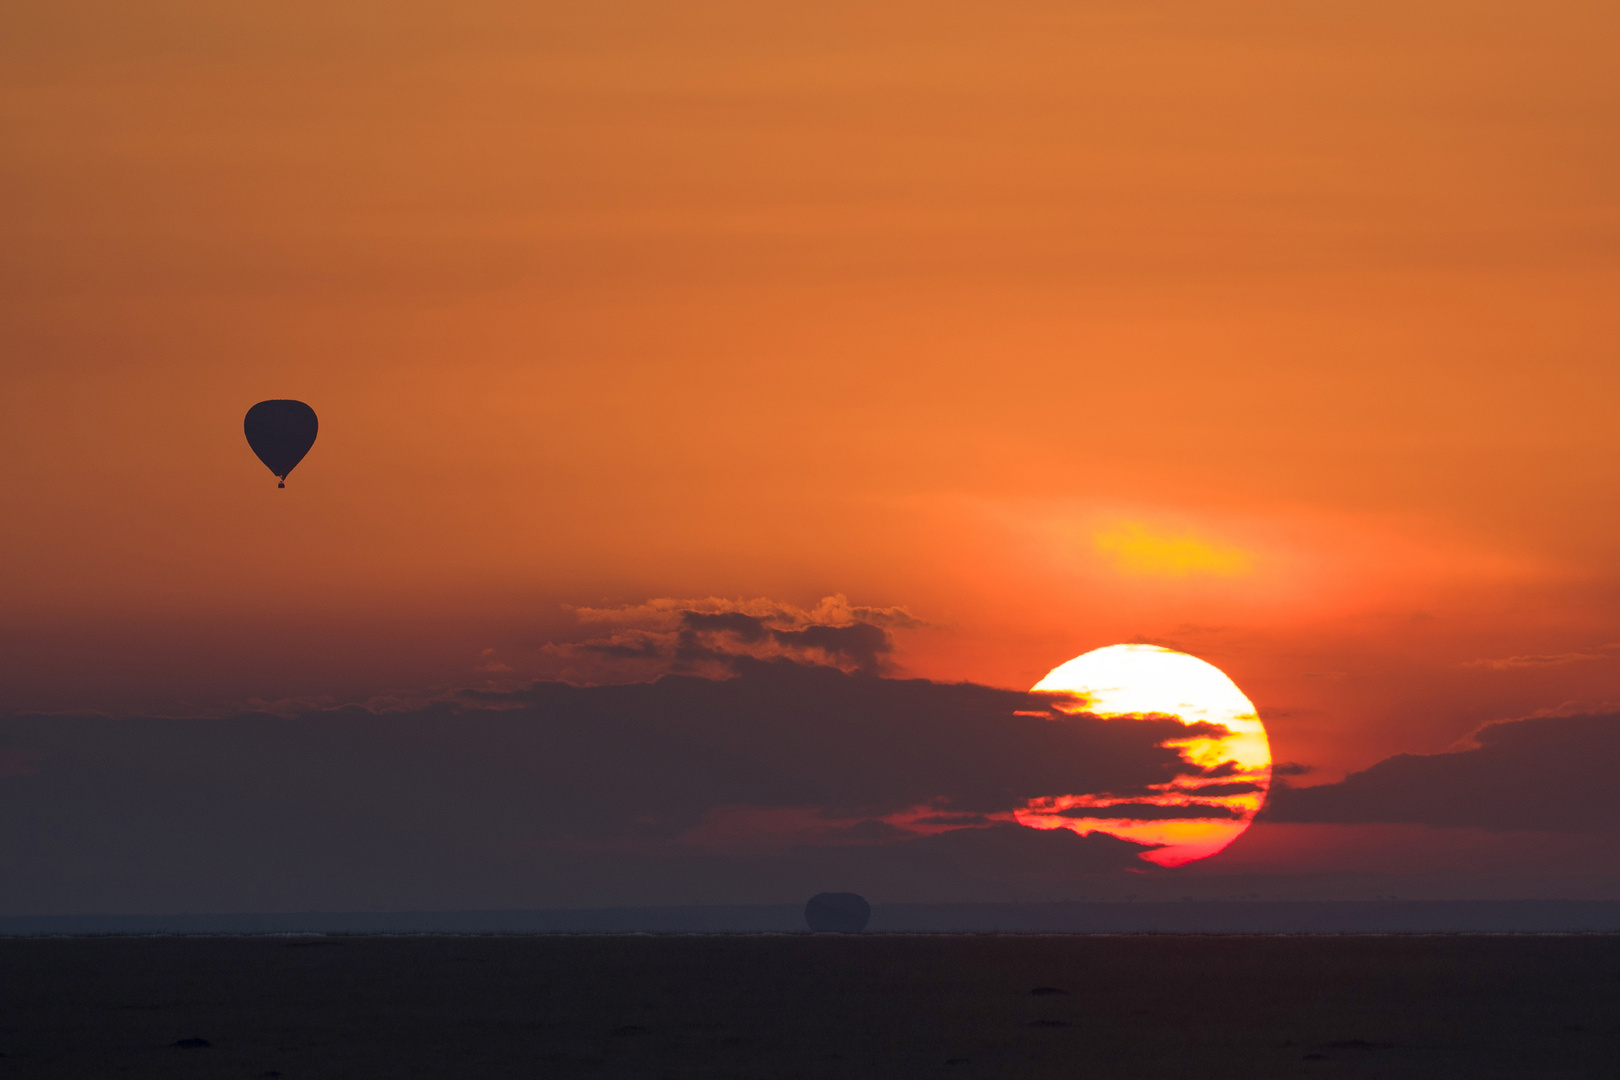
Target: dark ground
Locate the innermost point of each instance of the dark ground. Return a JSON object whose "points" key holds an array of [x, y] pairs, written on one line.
{"points": [[1063, 917], [777, 1007]]}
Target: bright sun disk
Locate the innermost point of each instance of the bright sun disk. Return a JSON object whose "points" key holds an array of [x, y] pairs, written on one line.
{"points": [[1226, 778]]}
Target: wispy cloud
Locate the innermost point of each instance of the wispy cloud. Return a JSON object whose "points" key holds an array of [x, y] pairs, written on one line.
{"points": [[667, 613], [1509, 663], [705, 636]]}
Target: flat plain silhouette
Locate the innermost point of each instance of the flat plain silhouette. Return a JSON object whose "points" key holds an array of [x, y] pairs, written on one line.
{"points": [[280, 431], [812, 1006]]}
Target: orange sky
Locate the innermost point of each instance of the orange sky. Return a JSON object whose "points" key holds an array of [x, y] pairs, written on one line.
{"points": [[1279, 332]]}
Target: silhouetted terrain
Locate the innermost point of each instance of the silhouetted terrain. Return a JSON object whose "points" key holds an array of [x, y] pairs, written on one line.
{"points": [[1072, 917], [811, 1006]]}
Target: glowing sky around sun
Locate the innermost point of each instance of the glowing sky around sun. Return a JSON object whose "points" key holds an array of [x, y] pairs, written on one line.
{"points": [[1281, 335], [1229, 773]]}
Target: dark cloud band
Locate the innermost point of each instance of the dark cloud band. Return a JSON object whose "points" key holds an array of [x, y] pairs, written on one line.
{"points": [[1555, 772], [773, 773]]}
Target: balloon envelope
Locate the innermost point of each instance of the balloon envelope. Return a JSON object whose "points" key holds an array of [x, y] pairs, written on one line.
{"points": [[838, 912], [281, 433]]}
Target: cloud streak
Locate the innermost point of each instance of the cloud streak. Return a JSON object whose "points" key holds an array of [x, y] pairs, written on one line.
{"points": [[1545, 660], [1509, 663]]}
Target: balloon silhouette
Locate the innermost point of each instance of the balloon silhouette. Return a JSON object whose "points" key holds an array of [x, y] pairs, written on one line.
{"points": [[837, 912], [281, 433]]}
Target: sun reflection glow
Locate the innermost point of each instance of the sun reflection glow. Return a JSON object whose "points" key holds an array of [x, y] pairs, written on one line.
{"points": [[1137, 549]]}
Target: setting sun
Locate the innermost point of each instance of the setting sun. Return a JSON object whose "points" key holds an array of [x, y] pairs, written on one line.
{"points": [[1228, 757]]}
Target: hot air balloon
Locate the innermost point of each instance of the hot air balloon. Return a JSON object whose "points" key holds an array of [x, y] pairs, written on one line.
{"points": [[837, 912], [281, 433]]}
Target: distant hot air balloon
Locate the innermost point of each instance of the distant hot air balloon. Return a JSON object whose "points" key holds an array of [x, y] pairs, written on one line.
{"points": [[837, 912], [281, 433]]}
